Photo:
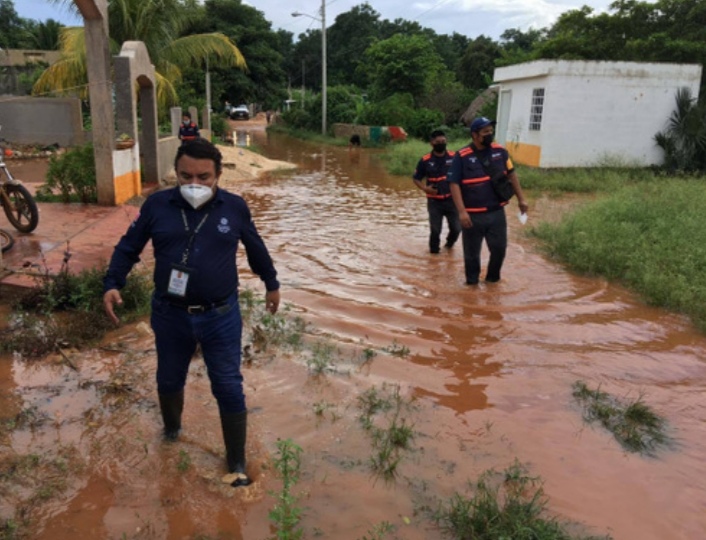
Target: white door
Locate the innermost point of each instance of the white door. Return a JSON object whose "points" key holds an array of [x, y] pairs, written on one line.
{"points": [[505, 100]]}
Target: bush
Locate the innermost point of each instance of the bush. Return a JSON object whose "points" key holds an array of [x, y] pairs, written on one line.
{"points": [[73, 174], [219, 126], [400, 110]]}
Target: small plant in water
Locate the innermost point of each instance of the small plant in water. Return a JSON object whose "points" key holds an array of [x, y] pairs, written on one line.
{"points": [[286, 514], [391, 440], [397, 349], [509, 505], [184, 462], [322, 357], [379, 531], [636, 427]]}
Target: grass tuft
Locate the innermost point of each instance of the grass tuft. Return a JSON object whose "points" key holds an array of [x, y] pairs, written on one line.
{"points": [[636, 427], [509, 505]]}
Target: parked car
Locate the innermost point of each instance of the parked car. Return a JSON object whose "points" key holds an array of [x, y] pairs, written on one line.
{"points": [[241, 112]]}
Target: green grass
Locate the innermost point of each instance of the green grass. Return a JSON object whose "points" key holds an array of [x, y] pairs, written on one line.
{"points": [[651, 238], [634, 425], [501, 506]]}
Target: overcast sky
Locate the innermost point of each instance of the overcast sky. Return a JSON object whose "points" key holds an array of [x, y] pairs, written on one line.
{"points": [[468, 17]]}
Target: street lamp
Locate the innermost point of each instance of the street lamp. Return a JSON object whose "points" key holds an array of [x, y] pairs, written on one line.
{"points": [[323, 60]]}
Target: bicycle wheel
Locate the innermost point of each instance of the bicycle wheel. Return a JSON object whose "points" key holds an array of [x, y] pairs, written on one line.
{"points": [[6, 240], [22, 211]]}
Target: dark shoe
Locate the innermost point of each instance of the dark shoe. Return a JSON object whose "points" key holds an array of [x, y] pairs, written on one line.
{"points": [[171, 406], [492, 279], [234, 427], [449, 245], [471, 283], [433, 252]]}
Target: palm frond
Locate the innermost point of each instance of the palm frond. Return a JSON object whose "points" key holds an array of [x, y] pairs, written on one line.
{"points": [[194, 50], [68, 75]]}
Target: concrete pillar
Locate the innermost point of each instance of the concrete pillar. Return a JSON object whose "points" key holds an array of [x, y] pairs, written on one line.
{"points": [[95, 16], [175, 116]]}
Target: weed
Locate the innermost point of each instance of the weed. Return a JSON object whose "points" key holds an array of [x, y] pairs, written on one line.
{"points": [[278, 330], [636, 427], [286, 514], [320, 407], [379, 531], [368, 354], [509, 505], [321, 359], [397, 349], [390, 441], [184, 463], [36, 329]]}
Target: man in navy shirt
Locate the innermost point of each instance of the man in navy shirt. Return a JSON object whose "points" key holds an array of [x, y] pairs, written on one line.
{"points": [[433, 167], [188, 131], [195, 230], [480, 209]]}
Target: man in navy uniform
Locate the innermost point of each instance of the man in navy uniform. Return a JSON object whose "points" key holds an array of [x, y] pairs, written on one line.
{"points": [[440, 205], [480, 210], [195, 230]]}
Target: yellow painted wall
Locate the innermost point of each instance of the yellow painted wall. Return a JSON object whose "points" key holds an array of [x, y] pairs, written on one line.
{"points": [[127, 186], [525, 154]]}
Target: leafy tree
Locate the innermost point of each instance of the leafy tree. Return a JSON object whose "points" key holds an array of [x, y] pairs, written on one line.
{"points": [[476, 68], [157, 23], [402, 64], [307, 54], [346, 41], [248, 28], [517, 46], [13, 28]]}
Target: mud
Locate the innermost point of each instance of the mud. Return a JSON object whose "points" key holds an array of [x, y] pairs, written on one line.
{"points": [[489, 369]]}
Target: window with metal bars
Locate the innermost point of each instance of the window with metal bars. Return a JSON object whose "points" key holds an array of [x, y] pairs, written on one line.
{"points": [[535, 123]]}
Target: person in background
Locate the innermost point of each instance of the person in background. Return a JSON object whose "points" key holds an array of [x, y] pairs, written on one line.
{"points": [[195, 229], [188, 131], [433, 167], [480, 210]]}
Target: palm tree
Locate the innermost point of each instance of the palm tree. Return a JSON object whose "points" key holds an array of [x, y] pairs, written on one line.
{"points": [[157, 23], [684, 139]]}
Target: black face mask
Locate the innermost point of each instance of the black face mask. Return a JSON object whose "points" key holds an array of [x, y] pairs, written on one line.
{"points": [[439, 147], [487, 139]]}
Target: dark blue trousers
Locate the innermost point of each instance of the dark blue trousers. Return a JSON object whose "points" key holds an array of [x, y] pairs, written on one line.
{"points": [[438, 210], [218, 331], [491, 227]]}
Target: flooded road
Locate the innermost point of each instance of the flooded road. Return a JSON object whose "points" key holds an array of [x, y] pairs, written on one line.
{"points": [[490, 368]]}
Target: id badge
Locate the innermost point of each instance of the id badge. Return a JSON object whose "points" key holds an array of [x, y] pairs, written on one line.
{"points": [[178, 280]]}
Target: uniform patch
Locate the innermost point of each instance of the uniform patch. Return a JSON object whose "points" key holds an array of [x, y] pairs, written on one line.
{"points": [[223, 226]]}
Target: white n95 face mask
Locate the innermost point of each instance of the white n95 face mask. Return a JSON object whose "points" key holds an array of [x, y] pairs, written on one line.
{"points": [[195, 194]]}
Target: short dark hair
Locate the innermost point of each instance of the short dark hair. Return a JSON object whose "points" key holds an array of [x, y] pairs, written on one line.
{"points": [[436, 133], [200, 149], [186, 113]]}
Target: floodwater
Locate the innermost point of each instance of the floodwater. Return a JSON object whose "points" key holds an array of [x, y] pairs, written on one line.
{"points": [[490, 369]]}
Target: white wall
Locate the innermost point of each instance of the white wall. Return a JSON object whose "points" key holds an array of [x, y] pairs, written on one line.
{"points": [[595, 113]]}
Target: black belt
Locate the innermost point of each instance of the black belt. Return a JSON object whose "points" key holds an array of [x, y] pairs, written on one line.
{"points": [[202, 308]]}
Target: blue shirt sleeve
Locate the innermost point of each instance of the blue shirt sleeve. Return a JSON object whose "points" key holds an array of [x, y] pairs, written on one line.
{"points": [[127, 251]]}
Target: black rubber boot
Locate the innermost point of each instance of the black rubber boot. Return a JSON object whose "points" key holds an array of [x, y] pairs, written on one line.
{"points": [[235, 427], [171, 406]]}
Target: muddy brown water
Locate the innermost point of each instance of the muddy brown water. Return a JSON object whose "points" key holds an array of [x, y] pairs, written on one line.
{"points": [[490, 368]]}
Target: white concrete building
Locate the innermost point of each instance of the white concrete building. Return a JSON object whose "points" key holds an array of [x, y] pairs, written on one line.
{"points": [[575, 113]]}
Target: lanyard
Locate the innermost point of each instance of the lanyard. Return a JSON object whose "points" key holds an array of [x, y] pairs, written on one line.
{"points": [[185, 256]]}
